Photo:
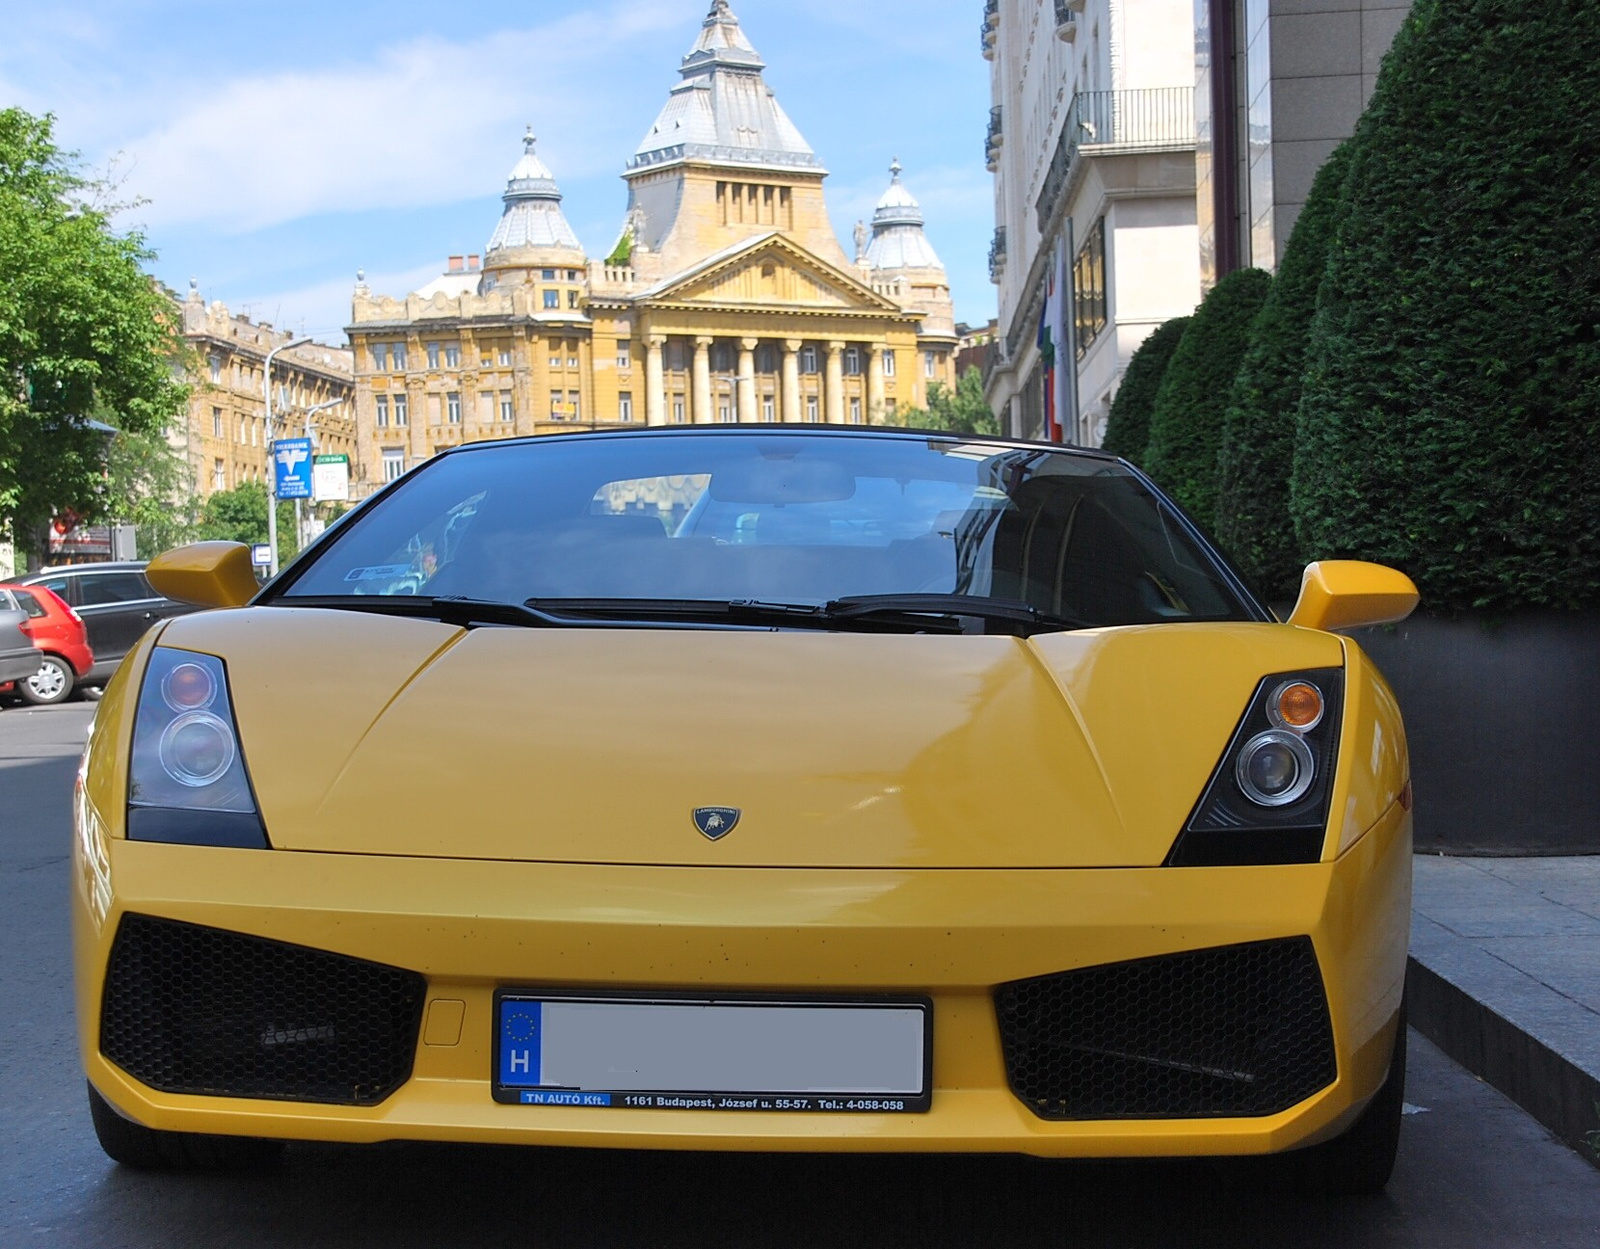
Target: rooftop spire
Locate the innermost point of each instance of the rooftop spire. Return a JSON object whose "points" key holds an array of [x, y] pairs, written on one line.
{"points": [[897, 238], [532, 216]]}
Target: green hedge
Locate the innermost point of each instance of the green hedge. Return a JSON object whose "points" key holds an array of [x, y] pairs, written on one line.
{"points": [[1128, 425], [1186, 423], [1450, 419], [1258, 430]]}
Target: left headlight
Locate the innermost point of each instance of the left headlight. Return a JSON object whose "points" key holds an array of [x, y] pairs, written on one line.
{"points": [[187, 781], [1267, 801]]}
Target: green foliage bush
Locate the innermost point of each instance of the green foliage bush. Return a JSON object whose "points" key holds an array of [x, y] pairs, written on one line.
{"points": [[962, 410], [1450, 418], [1128, 426], [1186, 423], [1258, 429]]}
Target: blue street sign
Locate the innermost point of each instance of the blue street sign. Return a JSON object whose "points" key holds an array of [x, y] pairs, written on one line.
{"points": [[291, 458]]}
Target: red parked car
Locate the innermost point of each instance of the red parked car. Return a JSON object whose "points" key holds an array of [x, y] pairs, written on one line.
{"points": [[58, 634]]}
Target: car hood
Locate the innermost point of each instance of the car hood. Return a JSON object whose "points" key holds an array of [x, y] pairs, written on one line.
{"points": [[369, 734]]}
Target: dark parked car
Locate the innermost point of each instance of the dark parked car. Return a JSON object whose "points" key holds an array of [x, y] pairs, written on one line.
{"points": [[115, 602]]}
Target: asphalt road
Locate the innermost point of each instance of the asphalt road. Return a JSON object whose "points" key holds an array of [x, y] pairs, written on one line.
{"points": [[1474, 1170]]}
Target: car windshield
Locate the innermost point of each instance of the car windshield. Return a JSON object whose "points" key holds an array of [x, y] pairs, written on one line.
{"points": [[777, 517]]}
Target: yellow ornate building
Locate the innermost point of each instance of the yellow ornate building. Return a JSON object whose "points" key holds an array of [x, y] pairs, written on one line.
{"points": [[726, 298], [225, 437]]}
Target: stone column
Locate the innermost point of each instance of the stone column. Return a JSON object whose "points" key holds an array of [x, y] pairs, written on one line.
{"points": [[833, 385], [702, 382], [875, 413], [790, 412], [747, 379], [655, 386]]}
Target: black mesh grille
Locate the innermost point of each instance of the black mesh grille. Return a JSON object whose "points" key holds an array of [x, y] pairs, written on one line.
{"points": [[189, 1009], [1238, 1030]]}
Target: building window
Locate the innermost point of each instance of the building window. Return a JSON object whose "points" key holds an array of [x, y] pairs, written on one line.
{"points": [[811, 408], [572, 355], [452, 356], [552, 299], [724, 413], [380, 357], [433, 355], [624, 354], [677, 411], [486, 406], [219, 475], [572, 275], [1089, 288], [855, 409], [574, 405], [394, 462], [397, 354], [572, 299], [216, 368], [452, 407], [558, 406], [505, 357], [508, 409], [216, 422], [402, 415], [889, 406], [808, 359], [555, 361], [930, 364], [382, 419], [625, 406], [888, 364], [852, 362], [549, 275], [768, 412], [766, 358]]}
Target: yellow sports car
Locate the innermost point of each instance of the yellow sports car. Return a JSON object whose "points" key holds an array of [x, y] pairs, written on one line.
{"points": [[750, 788]]}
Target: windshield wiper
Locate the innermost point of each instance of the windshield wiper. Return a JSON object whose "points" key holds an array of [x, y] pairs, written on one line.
{"points": [[867, 606], [456, 609]]}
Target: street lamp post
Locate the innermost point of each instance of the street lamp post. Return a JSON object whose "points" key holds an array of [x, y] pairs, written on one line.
{"points": [[272, 449]]}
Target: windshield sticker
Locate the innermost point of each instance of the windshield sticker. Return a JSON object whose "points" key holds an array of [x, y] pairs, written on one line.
{"points": [[378, 572]]}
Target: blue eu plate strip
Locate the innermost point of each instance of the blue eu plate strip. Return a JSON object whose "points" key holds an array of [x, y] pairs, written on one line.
{"points": [[521, 1031]]}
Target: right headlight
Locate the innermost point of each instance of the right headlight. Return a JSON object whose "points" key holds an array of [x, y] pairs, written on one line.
{"points": [[1267, 800], [187, 780]]}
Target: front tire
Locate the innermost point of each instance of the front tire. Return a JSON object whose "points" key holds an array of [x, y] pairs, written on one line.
{"points": [[1360, 1161], [147, 1149], [51, 684]]}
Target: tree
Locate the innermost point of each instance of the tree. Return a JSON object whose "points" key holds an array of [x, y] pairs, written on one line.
{"points": [[82, 328], [1450, 419], [240, 515], [1258, 430], [148, 486], [963, 410], [1186, 422], [1128, 426]]}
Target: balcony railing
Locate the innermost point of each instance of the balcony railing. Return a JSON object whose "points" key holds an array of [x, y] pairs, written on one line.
{"points": [[995, 138], [1109, 122], [1067, 20], [997, 254], [991, 28]]}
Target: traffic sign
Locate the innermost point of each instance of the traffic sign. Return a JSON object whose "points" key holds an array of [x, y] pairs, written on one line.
{"points": [[330, 478], [291, 458], [261, 555]]}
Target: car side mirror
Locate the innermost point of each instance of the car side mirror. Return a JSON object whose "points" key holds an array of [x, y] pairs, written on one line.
{"points": [[1350, 593], [211, 574]]}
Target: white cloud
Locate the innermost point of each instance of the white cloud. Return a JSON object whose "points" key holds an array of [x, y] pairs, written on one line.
{"points": [[424, 122]]}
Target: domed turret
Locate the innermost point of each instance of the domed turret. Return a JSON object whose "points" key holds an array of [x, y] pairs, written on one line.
{"points": [[897, 238], [532, 223]]}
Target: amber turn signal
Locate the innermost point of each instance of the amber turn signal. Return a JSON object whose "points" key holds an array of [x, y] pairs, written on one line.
{"points": [[1297, 705]]}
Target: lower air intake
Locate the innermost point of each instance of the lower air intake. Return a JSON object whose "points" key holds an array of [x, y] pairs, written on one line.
{"points": [[1234, 1031], [189, 1009]]}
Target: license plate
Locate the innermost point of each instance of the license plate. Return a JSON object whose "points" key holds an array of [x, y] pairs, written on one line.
{"points": [[713, 1053]]}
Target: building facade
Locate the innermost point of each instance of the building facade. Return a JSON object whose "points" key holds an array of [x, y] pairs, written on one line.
{"points": [[1091, 142], [225, 439], [1278, 84], [727, 296]]}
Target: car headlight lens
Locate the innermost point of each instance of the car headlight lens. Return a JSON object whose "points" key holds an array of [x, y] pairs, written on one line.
{"points": [[1275, 768], [1268, 799], [187, 780]]}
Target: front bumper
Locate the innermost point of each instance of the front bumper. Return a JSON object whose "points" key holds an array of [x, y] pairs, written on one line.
{"points": [[472, 926]]}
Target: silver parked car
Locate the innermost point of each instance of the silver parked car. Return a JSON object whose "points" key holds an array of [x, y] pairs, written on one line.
{"points": [[18, 658]]}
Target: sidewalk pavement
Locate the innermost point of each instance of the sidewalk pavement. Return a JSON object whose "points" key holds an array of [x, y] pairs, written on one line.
{"points": [[1505, 978]]}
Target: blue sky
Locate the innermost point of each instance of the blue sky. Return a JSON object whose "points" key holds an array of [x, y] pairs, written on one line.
{"points": [[280, 147]]}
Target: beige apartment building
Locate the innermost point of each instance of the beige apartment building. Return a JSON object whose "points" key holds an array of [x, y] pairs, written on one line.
{"points": [[726, 298], [225, 439]]}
